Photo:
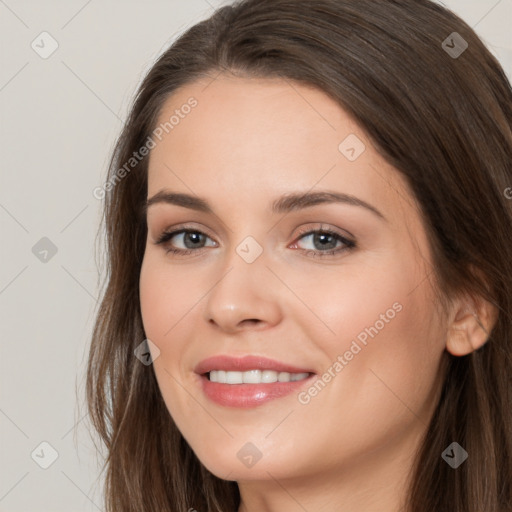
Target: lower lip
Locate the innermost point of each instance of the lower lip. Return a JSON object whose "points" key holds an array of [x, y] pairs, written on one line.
{"points": [[249, 395]]}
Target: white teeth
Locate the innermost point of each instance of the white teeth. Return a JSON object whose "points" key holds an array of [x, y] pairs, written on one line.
{"points": [[268, 376], [234, 378], [298, 376], [254, 377]]}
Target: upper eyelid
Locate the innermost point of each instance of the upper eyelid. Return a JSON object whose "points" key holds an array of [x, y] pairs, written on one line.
{"points": [[184, 228]]}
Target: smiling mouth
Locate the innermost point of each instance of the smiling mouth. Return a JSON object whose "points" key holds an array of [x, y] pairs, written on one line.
{"points": [[254, 376]]}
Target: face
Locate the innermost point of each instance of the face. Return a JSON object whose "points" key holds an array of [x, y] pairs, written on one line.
{"points": [[338, 289]]}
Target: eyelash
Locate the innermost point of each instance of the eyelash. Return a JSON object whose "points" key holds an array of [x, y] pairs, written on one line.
{"points": [[166, 236]]}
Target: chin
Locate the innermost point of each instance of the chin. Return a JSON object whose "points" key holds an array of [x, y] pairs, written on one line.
{"points": [[245, 462]]}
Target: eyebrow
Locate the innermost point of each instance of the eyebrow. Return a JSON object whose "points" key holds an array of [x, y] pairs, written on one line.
{"points": [[284, 204]]}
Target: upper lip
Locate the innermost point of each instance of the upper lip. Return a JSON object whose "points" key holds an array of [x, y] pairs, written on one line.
{"points": [[242, 364]]}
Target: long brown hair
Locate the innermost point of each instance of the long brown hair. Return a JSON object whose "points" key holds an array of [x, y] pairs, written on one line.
{"points": [[442, 120]]}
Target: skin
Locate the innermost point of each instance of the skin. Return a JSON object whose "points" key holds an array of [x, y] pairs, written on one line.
{"points": [[351, 448]]}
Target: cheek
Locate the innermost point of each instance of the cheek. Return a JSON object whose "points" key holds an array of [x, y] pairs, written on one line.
{"points": [[153, 298], [167, 295], [384, 327], [166, 299], [398, 363]]}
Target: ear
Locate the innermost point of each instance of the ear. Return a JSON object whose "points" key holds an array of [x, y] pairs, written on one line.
{"points": [[470, 325]]}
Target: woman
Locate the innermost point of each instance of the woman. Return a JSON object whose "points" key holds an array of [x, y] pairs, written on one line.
{"points": [[308, 303]]}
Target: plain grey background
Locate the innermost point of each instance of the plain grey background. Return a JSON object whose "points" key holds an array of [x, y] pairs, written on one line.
{"points": [[60, 116]]}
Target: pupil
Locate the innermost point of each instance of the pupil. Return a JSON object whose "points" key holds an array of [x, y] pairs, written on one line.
{"points": [[322, 237], [193, 235]]}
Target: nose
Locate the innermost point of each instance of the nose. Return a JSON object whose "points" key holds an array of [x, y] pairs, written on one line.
{"points": [[246, 296]]}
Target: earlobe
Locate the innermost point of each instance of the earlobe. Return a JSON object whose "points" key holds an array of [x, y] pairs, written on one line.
{"points": [[458, 343], [471, 327]]}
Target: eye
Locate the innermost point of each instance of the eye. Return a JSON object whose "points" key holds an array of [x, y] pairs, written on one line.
{"points": [[327, 239], [192, 238]]}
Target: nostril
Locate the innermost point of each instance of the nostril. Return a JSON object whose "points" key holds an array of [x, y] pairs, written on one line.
{"points": [[251, 321]]}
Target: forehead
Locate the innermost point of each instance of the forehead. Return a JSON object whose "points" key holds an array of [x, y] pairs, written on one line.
{"points": [[255, 118], [249, 136]]}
